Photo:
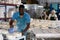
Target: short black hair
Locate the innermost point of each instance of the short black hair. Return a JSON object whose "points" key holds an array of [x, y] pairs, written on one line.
{"points": [[21, 6]]}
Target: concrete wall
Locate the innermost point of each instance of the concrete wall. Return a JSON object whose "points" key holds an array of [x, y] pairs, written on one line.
{"points": [[42, 2], [53, 1]]}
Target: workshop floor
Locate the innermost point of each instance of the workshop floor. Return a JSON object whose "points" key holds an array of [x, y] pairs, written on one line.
{"points": [[50, 39]]}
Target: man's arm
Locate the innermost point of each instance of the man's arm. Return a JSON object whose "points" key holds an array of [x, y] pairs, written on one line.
{"points": [[11, 23], [28, 26], [12, 19], [49, 16], [56, 17], [27, 20]]}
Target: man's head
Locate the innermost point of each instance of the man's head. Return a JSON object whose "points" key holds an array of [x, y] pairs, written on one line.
{"points": [[53, 12], [21, 9]]}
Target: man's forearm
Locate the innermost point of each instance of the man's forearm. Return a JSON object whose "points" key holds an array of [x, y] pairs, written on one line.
{"points": [[28, 26], [11, 23]]}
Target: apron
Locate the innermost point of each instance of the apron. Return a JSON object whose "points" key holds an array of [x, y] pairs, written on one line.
{"points": [[52, 18]]}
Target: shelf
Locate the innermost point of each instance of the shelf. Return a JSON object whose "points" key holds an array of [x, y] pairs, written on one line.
{"points": [[8, 4], [4, 18], [5, 5]]}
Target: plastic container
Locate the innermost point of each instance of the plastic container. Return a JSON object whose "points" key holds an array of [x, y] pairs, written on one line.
{"points": [[11, 30]]}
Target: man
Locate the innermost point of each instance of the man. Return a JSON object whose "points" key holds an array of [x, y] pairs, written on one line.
{"points": [[22, 18], [44, 15], [53, 15]]}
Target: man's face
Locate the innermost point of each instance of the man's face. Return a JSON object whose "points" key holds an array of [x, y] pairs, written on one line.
{"points": [[53, 12], [21, 11]]}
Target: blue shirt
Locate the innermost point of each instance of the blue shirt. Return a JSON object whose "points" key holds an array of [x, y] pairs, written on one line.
{"points": [[21, 22]]}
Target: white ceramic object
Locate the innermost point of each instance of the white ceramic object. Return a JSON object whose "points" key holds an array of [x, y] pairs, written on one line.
{"points": [[1, 37]]}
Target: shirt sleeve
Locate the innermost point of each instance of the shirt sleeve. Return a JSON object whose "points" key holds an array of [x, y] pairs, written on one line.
{"points": [[55, 15], [28, 19], [14, 16]]}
